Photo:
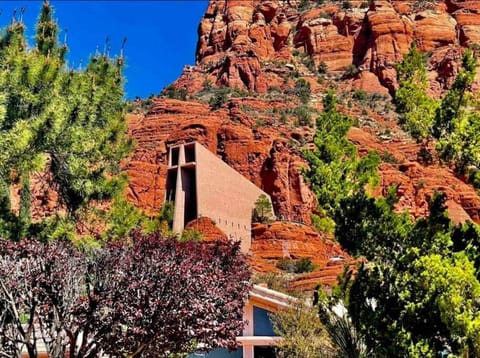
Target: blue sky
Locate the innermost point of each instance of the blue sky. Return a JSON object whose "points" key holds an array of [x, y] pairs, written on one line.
{"points": [[161, 35]]}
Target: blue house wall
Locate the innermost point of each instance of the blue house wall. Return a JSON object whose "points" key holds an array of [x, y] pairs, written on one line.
{"points": [[219, 353], [262, 326]]}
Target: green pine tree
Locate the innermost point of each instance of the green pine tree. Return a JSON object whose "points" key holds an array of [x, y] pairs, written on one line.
{"points": [[335, 169], [416, 108], [60, 120]]}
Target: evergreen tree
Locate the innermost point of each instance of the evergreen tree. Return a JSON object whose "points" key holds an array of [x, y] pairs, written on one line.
{"points": [[57, 119], [416, 108], [418, 295], [335, 169], [456, 124], [452, 108]]}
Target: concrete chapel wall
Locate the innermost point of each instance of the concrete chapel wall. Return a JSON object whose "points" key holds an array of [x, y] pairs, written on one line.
{"points": [[222, 194]]}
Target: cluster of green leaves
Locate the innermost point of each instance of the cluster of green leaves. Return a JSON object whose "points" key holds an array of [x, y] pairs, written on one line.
{"points": [[174, 93], [456, 124], [418, 294], [302, 90], [335, 169], [296, 266], [416, 108], [262, 211], [453, 122], [303, 333], [55, 119]]}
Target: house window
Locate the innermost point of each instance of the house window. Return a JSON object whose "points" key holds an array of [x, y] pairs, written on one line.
{"points": [[264, 352], [262, 325]]}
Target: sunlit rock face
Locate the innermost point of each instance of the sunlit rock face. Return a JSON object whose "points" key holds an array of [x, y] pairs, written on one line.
{"points": [[260, 49]]}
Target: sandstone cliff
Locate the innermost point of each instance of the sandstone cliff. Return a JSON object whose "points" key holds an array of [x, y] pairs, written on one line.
{"points": [[259, 49]]}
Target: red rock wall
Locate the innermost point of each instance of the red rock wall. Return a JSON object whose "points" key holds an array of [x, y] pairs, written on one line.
{"points": [[237, 39], [250, 45], [260, 154]]}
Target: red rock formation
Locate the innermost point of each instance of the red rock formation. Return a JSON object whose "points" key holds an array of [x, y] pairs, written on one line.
{"points": [[237, 39], [434, 29], [278, 240], [260, 45], [253, 151], [207, 228], [417, 183], [320, 38]]}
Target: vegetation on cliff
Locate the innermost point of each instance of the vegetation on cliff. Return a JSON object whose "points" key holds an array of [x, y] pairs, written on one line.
{"points": [[335, 170]]}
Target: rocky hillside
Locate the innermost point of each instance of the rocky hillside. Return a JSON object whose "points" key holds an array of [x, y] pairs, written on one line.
{"points": [[258, 51]]}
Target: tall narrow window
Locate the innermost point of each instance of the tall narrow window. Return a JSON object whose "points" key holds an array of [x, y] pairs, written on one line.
{"points": [[175, 154]]}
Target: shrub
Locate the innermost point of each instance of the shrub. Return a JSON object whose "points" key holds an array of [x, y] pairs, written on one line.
{"points": [[309, 63], [351, 71], [304, 265], [207, 84], [360, 95], [322, 68], [167, 212], [304, 115], [174, 93], [474, 177], [191, 235], [303, 90], [219, 98], [388, 157], [424, 156], [295, 266], [346, 5], [285, 264]]}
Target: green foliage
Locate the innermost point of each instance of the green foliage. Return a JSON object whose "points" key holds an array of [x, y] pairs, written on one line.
{"points": [[190, 235], [304, 115], [304, 5], [58, 120], [351, 71], [346, 5], [474, 177], [452, 106], [456, 126], [302, 90], [323, 224], [263, 209], [47, 32], [122, 218], [417, 110], [220, 97], [335, 170], [343, 334], [275, 281], [174, 93], [303, 333], [369, 227], [304, 265], [24, 214], [360, 95], [322, 68], [207, 84], [167, 212], [418, 294], [309, 63], [296, 266]]}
